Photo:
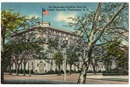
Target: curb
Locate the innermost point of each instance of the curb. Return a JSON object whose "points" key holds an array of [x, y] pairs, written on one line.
{"points": [[30, 81], [111, 79]]}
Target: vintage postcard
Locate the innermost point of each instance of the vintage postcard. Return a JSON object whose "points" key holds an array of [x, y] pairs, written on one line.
{"points": [[64, 43]]}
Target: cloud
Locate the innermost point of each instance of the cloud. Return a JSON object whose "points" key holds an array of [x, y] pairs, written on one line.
{"points": [[65, 17], [33, 15]]}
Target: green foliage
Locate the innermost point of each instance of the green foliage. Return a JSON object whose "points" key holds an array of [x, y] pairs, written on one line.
{"points": [[8, 51], [71, 55], [58, 58], [53, 43], [115, 50], [10, 22]]}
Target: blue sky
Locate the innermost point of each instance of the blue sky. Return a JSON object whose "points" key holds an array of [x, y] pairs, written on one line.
{"points": [[56, 18]]}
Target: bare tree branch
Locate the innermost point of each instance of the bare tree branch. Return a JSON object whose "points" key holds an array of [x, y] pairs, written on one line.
{"points": [[103, 43], [96, 16], [77, 65], [111, 20], [95, 19]]}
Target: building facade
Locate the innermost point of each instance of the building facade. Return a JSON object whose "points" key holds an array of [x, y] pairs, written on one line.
{"points": [[45, 30]]}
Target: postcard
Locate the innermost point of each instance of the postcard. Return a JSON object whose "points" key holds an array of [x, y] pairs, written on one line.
{"points": [[64, 43]]}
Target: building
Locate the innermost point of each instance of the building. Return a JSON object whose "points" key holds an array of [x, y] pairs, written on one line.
{"points": [[45, 30]]}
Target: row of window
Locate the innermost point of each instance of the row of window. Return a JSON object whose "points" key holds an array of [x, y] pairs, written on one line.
{"points": [[51, 33], [61, 34]]}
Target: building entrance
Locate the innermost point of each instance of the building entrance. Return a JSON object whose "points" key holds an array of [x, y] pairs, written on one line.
{"points": [[41, 67]]}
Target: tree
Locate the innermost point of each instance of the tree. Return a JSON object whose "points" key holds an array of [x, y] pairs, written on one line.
{"points": [[72, 56], [122, 61], [114, 50], [59, 60], [54, 47], [107, 59], [11, 22], [96, 54], [100, 26], [16, 54], [28, 43], [7, 61], [28, 53]]}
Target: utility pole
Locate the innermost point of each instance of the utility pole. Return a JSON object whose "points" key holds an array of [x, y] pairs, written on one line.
{"points": [[65, 64], [65, 43]]}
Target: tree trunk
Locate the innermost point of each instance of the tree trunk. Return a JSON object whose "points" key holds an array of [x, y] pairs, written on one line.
{"points": [[24, 68], [94, 70], [3, 30], [70, 69], [17, 70], [21, 67], [59, 69], [83, 74], [2, 56], [29, 68], [10, 69], [2, 67], [29, 72]]}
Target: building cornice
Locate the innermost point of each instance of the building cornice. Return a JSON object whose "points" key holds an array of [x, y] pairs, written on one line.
{"points": [[40, 27]]}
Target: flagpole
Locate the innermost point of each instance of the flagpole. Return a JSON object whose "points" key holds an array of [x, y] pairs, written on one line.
{"points": [[42, 16]]}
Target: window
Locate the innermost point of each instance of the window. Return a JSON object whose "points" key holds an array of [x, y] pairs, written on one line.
{"points": [[59, 34], [54, 32], [73, 37], [64, 35], [68, 36]]}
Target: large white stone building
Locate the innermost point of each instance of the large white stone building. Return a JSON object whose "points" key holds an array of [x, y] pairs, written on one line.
{"points": [[45, 65]]}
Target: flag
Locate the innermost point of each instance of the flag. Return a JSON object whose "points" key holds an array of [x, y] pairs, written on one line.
{"points": [[45, 12]]}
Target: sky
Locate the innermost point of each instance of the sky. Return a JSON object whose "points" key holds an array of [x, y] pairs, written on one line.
{"points": [[58, 12]]}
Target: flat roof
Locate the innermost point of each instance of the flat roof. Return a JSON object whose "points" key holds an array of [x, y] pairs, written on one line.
{"points": [[40, 27]]}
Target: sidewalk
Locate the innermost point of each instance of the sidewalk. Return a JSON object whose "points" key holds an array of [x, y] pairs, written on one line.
{"points": [[70, 79], [111, 78]]}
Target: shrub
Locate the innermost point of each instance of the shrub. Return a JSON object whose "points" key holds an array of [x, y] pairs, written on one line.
{"points": [[90, 71], [61, 71], [51, 72], [13, 70], [118, 73], [72, 71], [67, 71], [56, 71], [99, 71], [21, 71]]}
